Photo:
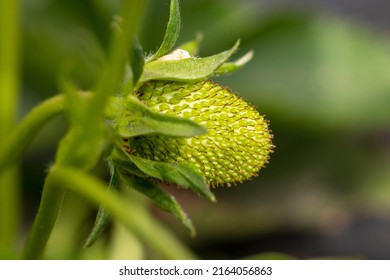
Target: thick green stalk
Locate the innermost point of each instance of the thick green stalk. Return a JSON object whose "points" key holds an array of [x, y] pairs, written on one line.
{"points": [[9, 87], [133, 216], [49, 208], [21, 137], [13, 148]]}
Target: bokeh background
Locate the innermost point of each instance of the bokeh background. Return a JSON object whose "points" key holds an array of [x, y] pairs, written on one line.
{"points": [[320, 74]]}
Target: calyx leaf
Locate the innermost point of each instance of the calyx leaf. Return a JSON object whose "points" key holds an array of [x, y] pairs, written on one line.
{"points": [[103, 217], [133, 70], [180, 173], [172, 31], [186, 69], [160, 198], [138, 119], [229, 67]]}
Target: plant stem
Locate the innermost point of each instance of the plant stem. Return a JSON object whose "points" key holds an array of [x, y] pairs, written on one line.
{"points": [[13, 148], [17, 142], [9, 87], [49, 208], [81, 147], [133, 216], [131, 16]]}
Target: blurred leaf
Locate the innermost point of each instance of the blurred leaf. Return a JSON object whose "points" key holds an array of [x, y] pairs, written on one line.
{"points": [[182, 174], [123, 239], [127, 85], [133, 71], [172, 32], [61, 42], [374, 187], [140, 120], [137, 60], [186, 69], [162, 199], [103, 217]]}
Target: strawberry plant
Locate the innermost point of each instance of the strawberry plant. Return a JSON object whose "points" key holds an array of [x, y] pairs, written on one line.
{"points": [[156, 119]]}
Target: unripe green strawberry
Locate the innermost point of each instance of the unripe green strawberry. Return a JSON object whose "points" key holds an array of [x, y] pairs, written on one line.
{"points": [[236, 145]]}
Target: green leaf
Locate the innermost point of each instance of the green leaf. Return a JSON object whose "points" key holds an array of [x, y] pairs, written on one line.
{"points": [[129, 167], [120, 159], [172, 32], [185, 69], [229, 67], [182, 174], [137, 60], [134, 70], [139, 120], [127, 85], [103, 217], [161, 199]]}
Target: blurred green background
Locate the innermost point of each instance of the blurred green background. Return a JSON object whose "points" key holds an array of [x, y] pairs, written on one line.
{"points": [[321, 75]]}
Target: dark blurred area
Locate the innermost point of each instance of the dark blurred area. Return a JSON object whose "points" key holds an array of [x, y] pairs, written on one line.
{"points": [[320, 74]]}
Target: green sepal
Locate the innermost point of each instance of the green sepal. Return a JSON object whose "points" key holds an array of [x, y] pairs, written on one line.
{"points": [[171, 33], [129, 167], [137, 60], [160, 198], [103, 217], [186, 69], [232, 66], [179, 173], [120, 160], [137, 119], [133, 71]]}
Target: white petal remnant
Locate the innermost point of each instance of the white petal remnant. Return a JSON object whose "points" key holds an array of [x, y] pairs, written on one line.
{"points": [[176, 55], [238, 141]]}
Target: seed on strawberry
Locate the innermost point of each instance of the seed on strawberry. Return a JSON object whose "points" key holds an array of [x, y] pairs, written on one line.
{"points": [[238, 141]]}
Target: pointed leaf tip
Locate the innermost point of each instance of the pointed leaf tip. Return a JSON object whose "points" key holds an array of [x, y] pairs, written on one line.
{"points": [[172, 31], [229, 67], [103, 217], [160, 198], [182, 174]]}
